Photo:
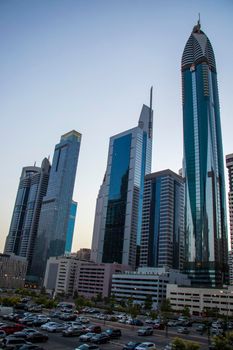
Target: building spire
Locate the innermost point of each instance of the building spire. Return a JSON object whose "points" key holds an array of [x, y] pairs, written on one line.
{"points": [[151, 112]]}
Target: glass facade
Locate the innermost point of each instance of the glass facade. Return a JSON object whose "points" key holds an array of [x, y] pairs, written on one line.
{"points": [[23, 229], [117, 228], [162, 220], [55, 210], [70, 229], [205, 208], [117, 200]]}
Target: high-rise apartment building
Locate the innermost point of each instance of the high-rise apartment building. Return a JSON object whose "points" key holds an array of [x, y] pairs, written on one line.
{"points": [[163, 220], [118, 216], [24, 224], [56, 205], [206, 251]]}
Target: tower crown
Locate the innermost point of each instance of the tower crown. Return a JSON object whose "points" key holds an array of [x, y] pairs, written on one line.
{"points": [[198, 49]]}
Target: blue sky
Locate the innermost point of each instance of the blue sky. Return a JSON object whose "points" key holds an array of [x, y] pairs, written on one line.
{"points": [[88, 65]]}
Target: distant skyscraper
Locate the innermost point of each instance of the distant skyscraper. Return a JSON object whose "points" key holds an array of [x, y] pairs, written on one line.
{"points": [[70, 229], [205, 208], [117, 227], [163, 220], [229, 164], [24, 224], [56, 206]]}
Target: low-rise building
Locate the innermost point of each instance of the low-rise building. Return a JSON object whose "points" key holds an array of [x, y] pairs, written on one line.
{"points": [[60, 274], [92, 278], [13, 269], [198, 300], [146, 282]]}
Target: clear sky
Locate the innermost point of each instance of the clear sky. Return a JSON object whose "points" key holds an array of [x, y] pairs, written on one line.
{"points": [[88, 65]]}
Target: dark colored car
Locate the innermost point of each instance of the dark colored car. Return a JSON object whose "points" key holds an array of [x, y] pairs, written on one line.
{"points": [[130, 345], [136, 322], [158, 326], [101, 338], [28, 347], [113, 333], [145, 331], [37, 337], [24, 333], [94, 329], [67, 317]]}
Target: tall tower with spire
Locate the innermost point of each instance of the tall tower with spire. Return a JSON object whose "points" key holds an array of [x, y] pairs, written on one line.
{"points": [[205, 207], [118, 217]]}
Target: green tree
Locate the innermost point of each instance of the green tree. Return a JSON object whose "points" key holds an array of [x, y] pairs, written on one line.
{"points": [[166, 305], [153, 314], [148, 302], [186, 311], [179, 344], [134, 310]]}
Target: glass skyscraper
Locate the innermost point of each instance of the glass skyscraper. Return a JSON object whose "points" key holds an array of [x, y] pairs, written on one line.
{"points": [[56, 205], [117, 227], [162, 242], [205, 207], [24, 224]]}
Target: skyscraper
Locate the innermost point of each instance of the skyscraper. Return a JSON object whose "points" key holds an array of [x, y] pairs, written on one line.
{"points": [[117, 227], [24, 224], [163, 220], [205, 207], [229, 164], [56, 205]]}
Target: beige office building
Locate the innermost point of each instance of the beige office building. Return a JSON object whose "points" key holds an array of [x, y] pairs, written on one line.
{"points": [[200, 299], [13, 271]]}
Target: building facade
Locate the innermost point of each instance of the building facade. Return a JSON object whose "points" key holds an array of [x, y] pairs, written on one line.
{"points": [[146, 282], [200, 300], [84, 254], [56, 205], [94, 279], [117, 227], [24, 224], [229, 165], [13, 271], [162, 240], [60, 275], [206, 248], [70, 229]]}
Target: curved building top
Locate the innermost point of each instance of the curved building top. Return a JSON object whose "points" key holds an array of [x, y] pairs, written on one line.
{"points": [[198, 49]]}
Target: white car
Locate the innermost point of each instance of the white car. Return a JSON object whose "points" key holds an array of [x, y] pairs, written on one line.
{"points": [[48, 325], [146, 346]]}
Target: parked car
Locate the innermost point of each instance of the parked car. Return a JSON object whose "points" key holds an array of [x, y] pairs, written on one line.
{"points": [[24, 333], [86, 337], [10, 329], [2, 334], [146, 346], [11, 342], [83, 319], [48, 325], [28, 347], [113, 333], [73, 331], [37, 337], [183, 330], [94, 329], [88, 347], [131, 345], [145, 331], [101, 338], [67, 317], [136, 322], [157, 325]]}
